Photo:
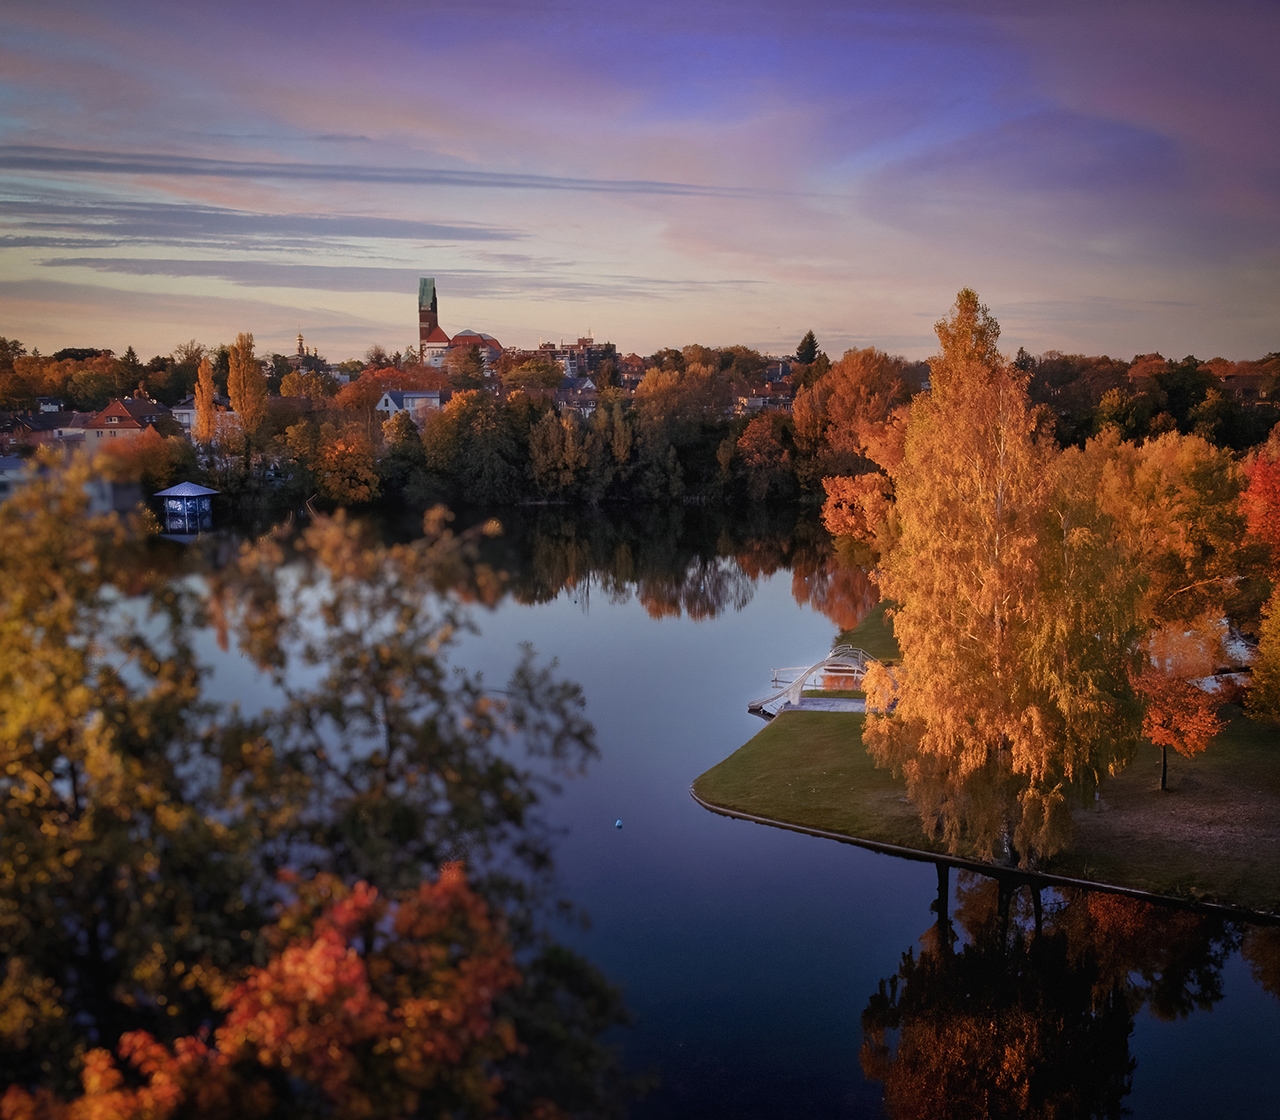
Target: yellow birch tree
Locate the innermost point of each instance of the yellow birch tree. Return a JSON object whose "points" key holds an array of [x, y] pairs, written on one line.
{"points": [[1013, 690]]}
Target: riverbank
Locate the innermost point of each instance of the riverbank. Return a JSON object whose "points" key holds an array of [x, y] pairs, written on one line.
{"points": [[1214, 837]]}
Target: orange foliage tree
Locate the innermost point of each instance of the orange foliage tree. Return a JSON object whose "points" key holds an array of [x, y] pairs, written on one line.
{"points": [[1261, 498], [344, 465], [1178, 715], [369, 1008], [149, 458]]}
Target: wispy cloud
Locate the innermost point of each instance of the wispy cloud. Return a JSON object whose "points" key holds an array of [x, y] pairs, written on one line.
{"points": [[465, 283], [165, 222], [72, 161]]}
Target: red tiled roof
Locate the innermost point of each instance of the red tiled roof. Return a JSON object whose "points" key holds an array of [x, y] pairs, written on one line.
{"points": [[437, 335], [132, 412]]}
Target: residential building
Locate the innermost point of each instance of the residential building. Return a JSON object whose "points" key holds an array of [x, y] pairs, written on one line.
{"points": [[184, 412], [39, 428], [125, 418], [578, 394], [490, 348], [577, 359], [418, 403]]}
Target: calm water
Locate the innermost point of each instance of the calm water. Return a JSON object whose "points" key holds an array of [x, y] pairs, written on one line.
{"points": [[749, 954]]}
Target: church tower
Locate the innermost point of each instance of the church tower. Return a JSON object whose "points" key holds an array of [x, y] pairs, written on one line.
{"points": [[428, 311], [432, 341]]}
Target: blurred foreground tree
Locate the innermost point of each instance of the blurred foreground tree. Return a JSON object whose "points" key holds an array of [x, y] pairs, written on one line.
{"points": [[146, 828]]}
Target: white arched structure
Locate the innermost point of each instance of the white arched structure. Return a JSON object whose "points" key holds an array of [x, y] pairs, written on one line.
{"points": [[790, 683]]}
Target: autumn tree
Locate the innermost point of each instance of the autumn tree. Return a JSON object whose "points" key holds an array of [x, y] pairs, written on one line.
{"points": [[150, 458], [558, 453], [1264, 690], [679, 422], [1178, 715], [1014, 617], [313, 385], [765, 457], [1261, 498], [536, 373], [123, 897], [868, 391], [343, 464], [464, 367], [205, 427], [247, 387], [145, 826], [374, 1007]]}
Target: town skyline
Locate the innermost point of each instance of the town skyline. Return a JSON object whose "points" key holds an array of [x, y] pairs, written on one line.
{"points": [[654, 177]]}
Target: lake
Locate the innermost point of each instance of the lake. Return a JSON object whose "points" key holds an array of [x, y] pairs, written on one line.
{"points": [[747, 954]]}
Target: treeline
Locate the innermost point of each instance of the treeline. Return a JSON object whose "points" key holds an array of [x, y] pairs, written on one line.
{"points": [[85, 379], [506, 435]]}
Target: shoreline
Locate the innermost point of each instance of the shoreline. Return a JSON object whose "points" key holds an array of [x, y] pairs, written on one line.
{"points": [[1212, 842]]}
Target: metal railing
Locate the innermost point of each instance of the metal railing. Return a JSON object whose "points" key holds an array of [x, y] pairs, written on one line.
{"points": [[843, 660]]}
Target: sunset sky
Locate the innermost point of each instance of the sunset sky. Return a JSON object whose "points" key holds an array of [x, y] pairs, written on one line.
{"points": [[1105, 174]]}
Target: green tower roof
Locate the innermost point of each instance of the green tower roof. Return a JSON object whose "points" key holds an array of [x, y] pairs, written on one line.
{"points": [[427, 293]]}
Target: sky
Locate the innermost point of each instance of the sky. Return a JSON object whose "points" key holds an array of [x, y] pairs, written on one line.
{"points": [[1105, 174]]}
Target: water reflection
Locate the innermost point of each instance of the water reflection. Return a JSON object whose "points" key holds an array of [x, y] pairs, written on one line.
{"points": [[680, 562], [1022, 1003]]}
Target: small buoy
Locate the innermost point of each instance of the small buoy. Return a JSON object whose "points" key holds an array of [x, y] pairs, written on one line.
{"points": [[617, 824]]}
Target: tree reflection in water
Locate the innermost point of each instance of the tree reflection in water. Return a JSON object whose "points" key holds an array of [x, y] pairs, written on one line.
{"points": [[181, 880], [679, 561], [1025, 1005], [210, 912]]}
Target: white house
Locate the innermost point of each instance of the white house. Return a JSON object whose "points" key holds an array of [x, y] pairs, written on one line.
{"points": [[416, 402]]}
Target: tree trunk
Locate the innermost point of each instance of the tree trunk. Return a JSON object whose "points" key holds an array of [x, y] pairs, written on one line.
{"points": [[942, 907], [1164, 769], [1005, 897]]}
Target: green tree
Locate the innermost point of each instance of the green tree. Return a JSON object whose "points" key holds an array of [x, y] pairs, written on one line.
{"points": [[10, 348], [536, 373], [464, 367], [807, 350], [470, 443], [129, 373], [402, 469]]}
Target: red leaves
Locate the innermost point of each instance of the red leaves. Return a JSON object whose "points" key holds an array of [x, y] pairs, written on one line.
{"points": [[374, 1004], [1179, 714], [1261, 500]]}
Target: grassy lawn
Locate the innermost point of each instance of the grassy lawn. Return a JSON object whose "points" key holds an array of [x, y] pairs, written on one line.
{"points": [[1214, 836], [875, 635], [835, 693], [810, 769]]}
